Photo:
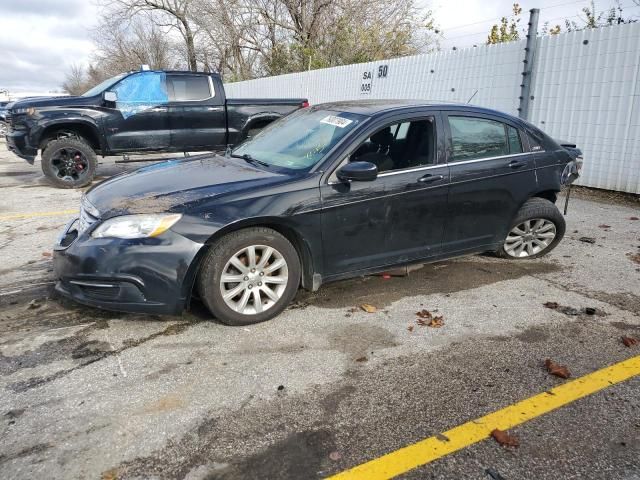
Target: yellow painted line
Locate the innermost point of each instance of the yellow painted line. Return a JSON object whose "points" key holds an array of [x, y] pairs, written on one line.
{"points": [[433, 448], [15, 216]]}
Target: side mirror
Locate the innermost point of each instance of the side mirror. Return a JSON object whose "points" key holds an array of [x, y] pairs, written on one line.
{"points": [[358, 172], [110, 96]]}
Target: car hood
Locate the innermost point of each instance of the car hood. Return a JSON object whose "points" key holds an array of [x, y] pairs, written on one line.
{"points": [[60, 101], [178, 185]]}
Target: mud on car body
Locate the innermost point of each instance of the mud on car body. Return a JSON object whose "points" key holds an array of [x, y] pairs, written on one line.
{"points": [[146, 111], [329, 192]]}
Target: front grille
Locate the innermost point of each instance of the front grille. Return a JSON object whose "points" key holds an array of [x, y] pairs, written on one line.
{"points": [[100, 292]]}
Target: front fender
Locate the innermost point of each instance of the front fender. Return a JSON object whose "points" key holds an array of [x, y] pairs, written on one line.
{"points": [[43, 125]]}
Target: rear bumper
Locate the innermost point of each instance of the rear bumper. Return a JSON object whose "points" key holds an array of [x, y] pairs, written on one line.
{"points": [[151, 275], [17, 142]]}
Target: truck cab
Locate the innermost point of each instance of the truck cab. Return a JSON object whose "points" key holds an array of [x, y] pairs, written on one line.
{"points": [[135, 112]]}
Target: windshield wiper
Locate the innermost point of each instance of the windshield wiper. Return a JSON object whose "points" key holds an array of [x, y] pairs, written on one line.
{"points": [[249, 159]]}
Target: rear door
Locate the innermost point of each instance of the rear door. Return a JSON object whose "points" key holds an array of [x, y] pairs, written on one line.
{"points": [[196, 111], [491, 177]]}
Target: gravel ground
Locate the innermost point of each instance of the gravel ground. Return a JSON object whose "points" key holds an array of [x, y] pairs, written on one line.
{"points": [[92, 394]]}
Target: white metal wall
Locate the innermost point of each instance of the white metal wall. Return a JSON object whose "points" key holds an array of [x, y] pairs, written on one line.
{"points": [[582, 92]]}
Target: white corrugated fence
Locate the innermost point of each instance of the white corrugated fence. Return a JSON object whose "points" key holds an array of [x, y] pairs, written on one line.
{"points": [[585, 89]]}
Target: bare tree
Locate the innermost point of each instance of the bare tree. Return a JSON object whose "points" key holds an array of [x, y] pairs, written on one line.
{"points": [[75, 82], [125, 45], [175, 14]]}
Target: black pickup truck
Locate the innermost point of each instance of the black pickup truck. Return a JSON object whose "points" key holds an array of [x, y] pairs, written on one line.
{"points": [[144, 111]]}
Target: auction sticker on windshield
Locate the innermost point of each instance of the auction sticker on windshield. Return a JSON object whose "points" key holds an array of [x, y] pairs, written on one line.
{"points": [[336, 121]]}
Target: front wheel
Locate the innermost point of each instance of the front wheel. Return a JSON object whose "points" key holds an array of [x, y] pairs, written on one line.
{"points": [[69, 163], [249, 276], [537, 229]]}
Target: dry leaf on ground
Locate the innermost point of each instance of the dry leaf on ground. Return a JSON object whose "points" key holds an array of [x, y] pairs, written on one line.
{"points": [[504, 439], [410, 328], [424, 314], [361, 359], [552, 305], [629, 341], [368, 308], [557, 370]]}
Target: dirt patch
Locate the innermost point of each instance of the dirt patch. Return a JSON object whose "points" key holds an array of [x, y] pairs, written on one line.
{"points": [[443, 277], [624, 301], [26, 452], [361, 339], [70, 346], [533, 335], [605, 196]]}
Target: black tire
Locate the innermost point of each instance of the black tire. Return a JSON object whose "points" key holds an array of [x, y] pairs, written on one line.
{"points": [[222, 251], [67, 176], [537, 208]]}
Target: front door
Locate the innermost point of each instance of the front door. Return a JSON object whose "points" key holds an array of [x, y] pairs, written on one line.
{"points": [[140, 121], [491, 177], [197, 113], [398, 217]]}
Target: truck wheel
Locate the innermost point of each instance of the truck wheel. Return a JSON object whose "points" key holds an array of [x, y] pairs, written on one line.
{"points": [[537, 229], [249, 276], [69, 163]]}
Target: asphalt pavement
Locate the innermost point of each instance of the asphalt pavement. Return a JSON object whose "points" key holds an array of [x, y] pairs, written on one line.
{"points": [[325, 386]]}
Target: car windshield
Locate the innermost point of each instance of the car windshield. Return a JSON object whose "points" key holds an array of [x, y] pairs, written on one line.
{"points": [[101, 87], [300, 140]]}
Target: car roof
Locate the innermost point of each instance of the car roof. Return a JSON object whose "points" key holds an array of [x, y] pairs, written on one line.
{"points": [[376, 107]]}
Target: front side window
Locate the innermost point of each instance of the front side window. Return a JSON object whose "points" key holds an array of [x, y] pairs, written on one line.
{"points": [[140, 92], [300, 140], [475, 138], [407, 144], [186, 88]]}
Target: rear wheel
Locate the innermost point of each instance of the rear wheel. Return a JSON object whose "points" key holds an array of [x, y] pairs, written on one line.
{"points": [[249, 276], [537, 229], [69, 163]]}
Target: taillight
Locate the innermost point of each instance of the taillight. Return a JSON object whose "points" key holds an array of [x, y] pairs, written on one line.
{"points": [[305, 104]]}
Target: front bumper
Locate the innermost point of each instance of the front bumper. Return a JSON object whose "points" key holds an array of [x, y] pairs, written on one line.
{"points": [[17, 142], [149, 275]]}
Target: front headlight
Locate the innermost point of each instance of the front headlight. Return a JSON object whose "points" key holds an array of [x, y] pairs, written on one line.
{"points": [[136, 226], [28, 111]]}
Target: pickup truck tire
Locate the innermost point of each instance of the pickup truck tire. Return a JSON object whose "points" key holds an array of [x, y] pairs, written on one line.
{"points": [[254, 266], [536, 230], [69, 163]]}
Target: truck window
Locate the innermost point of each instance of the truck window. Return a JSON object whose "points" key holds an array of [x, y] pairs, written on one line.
{"points": [[189, 88], [141, 91]]}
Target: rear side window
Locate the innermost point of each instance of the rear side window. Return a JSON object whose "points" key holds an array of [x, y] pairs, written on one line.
{"points": [[515, 144], [185, 88], [475, 138]]}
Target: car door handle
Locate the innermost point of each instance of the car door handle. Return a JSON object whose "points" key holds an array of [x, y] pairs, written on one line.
{"points": [[158, 109], [214, 109], [428, 178], [516, 164]]}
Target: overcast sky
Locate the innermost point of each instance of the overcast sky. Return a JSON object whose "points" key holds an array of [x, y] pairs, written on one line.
{"points": [[39, 39]]}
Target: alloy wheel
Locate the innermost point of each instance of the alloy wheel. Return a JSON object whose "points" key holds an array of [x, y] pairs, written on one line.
{"points": [[254, 279], [69, 164], [530, 238]]}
